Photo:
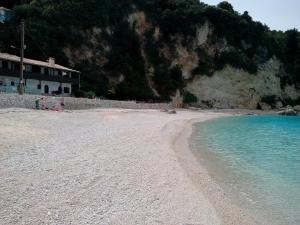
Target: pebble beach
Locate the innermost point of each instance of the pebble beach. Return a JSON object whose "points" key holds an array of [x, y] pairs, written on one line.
{"points": [[103, 166]]}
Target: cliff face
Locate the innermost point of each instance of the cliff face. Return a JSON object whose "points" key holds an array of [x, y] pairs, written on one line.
{"points": [[165, 49], [235, 88], [229, 87]]}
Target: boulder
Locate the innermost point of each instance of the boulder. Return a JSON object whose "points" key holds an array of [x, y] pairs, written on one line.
{"points": [[172, 112], [264, 106], [288, 112], [279, 105], [297, 108]]}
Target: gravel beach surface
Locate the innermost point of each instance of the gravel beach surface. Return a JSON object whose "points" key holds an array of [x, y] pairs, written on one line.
{"points": [[102, 166]]}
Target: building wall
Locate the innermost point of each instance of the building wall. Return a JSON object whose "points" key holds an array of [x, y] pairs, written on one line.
{"points": [[31, 86], [66, 85], [8, 84], [52, 86]]}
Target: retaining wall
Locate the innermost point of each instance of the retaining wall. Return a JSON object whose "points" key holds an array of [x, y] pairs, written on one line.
{"points": [[28, 102]]}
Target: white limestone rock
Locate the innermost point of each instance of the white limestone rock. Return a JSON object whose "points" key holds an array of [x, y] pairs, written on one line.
{"points": [[288, 112], [236, 88]]}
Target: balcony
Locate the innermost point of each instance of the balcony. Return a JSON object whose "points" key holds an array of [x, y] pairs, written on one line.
{"points": [[39, 76]]}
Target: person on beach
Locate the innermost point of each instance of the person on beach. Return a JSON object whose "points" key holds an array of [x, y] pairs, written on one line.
{"points": [[39, 104], [42, 102]]}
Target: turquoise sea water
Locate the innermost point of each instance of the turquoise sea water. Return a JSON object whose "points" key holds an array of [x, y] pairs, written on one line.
{"points": [[256, 160]]}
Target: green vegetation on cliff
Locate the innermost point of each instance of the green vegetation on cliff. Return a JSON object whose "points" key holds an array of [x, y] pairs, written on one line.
{"points": [[115, 59]]}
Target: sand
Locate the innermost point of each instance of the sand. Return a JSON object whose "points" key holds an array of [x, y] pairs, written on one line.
{"points": [[106, 166]]}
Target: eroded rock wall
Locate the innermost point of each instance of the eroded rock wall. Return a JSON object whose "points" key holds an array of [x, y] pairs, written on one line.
{"points": [[235, 88]]}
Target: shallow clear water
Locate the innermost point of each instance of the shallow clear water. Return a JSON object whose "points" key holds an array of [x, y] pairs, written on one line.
{"points": [[256, 159]]}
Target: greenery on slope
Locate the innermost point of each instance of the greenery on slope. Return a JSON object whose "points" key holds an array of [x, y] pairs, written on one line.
{"points": [[52, 25]]}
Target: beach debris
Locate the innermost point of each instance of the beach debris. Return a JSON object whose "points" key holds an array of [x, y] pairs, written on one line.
{"points": [[172, 111]]}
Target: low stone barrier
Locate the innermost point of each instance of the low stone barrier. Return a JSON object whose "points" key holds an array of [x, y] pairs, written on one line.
{"points": [[50, 102]]}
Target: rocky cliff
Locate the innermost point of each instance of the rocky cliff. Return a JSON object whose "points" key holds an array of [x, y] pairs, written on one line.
{"points": [[228, 87], [236, 88]]}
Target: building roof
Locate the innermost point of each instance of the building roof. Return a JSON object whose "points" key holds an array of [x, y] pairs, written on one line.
{"points": [[15, 58]]}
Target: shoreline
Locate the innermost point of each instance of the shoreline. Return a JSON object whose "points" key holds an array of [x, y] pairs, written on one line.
{"points": [[227, 210]]}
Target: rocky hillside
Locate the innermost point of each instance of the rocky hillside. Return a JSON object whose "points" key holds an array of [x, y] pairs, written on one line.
{"points": [[153, 50]]}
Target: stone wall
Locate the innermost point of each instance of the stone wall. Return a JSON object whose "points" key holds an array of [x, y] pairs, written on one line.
{"points": [[28, 101]]}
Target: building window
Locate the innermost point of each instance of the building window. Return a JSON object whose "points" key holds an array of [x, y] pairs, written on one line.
{"points": [[66, 90], [46, 89], [36, 69], [39, 86], [9, 64], [12, 83], [5, 65], [1, 82], [16, 67], [28, 68]]}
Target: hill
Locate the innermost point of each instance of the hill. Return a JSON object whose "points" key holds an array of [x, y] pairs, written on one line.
{"points": [[152, 50]]}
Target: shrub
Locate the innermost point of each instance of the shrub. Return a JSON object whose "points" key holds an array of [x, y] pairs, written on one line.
{"points": [[270, 100], [168, 80], [89, 94], [292, 102], [205, 65], [131, 91], [226, 6], [236, 59], [79, 93], [189, 98]]}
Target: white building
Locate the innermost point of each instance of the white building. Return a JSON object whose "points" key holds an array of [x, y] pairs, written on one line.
{"points": [[39, 77]]}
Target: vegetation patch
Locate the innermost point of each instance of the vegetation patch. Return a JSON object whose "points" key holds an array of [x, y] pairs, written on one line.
{"points": [[52, 26], [189, 98]]}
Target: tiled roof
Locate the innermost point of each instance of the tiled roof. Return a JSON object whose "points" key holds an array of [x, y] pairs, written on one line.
{"points": [[15, 58]]}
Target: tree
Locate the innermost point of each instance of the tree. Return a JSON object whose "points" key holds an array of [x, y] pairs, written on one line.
{"points": [[247, 17], [226, 6], [291, 45]]}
